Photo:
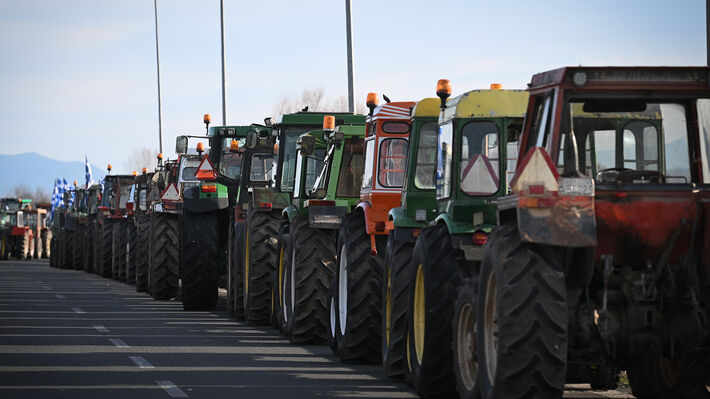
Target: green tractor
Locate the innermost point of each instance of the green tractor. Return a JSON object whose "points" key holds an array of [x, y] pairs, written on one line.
{"points": [[477, 152], [327, 186], [139, 244], [207, 210], [404, 225]]}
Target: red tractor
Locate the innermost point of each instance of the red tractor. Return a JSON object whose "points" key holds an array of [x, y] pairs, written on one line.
{"points": [[601, 261]]}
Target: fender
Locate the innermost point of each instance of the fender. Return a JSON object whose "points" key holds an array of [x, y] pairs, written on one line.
{"points": [[366, 209], [289, 213]]}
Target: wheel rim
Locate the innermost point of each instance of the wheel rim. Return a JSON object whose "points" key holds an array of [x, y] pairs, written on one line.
{"points": [[281, 276], [292, 285], [332, 317], [246, 266], [409, 355], [490, 327], [466, 348], [343, 289], [388, 307], [419, 314], [285, 306]]}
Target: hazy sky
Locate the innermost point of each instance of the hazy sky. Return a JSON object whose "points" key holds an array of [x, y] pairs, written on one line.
{"points": [[78, 76]]}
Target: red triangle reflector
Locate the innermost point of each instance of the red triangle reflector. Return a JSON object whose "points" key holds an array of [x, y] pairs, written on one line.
{"points": [[206, 171]]}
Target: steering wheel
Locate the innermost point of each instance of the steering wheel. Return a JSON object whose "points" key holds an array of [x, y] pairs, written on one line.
{"points": [[609, 175]]}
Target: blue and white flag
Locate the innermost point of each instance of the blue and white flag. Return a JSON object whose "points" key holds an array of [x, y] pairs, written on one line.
{"points": [[56, 198], [87, 167]]}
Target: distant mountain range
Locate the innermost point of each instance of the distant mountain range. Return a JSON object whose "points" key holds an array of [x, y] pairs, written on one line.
{"points": [[36, 170]]}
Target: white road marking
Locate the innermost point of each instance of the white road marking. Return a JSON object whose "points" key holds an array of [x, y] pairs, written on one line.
{"points": [[171, 389], [118, 343], [141, 362], [45, 287], [101, 329], [60, 296], [78, 310]]}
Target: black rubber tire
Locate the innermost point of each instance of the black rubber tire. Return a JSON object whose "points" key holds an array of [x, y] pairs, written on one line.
{"points": [[143, 239], [6, 247], [530, 304], [165, 256], [199, 260], [395, 300], [313, 256], [230, 270], [260, 260], [59, 249], [358, 336], [46, 238], [37, 253], [437, 272], [236, 269], [88, 248], [661, 378], [68, 249], [105, 259], [132, 252], [279, 283], [78, 250], [119, 250], [463, 346], [23, 245], [115, 246], [52, 253]]}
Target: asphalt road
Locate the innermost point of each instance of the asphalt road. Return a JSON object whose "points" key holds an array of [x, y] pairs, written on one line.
{"points": [[70, 334]]}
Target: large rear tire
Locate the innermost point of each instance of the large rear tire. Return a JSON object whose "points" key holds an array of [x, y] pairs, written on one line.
{"points": [[23, 245], [68, 249], [359, 294], [46, 238], [237, 281], [132, 252], [143, 234], [106, 248], [662, 377], [78, 251], [89, 247], [165, 256], [522, 319], [260, 260], [395, 299], [437, 275], [38, 247], [312, 264], [199, 260], [119, 250]]}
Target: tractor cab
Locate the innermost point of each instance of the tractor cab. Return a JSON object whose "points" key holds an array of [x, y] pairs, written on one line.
{"points": [[117, 190]]}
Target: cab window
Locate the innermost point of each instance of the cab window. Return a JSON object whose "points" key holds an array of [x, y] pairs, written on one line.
{"points": [[480, 160], [393, 157]]}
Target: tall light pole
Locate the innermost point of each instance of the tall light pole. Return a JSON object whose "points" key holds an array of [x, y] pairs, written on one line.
{"points": [[157, 59], [224, 84], [349, 29], [707, 31]]}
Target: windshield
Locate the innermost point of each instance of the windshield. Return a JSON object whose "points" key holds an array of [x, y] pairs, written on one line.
{"points": [[230, 163], [106, 199], [444, 159], [316, 171], [479, 158], [288, 147], [392, 164], [125, 195], [426, 157], [350, 175], [261, 167], [627, 142], [12, 205]]}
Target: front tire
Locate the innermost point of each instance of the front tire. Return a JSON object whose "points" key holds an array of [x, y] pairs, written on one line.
{"points": [[464, 340], [359, 294], [522, 316], [260, 260], [200, 260], [142, 248], [165, 256]]}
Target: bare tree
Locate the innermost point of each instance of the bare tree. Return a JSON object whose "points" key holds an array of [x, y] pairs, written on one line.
{"points": [[39, 194], [314, 99], [142, 158]]}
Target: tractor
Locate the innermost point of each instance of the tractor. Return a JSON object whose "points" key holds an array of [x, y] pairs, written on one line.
{"points": [[601, 261], [9, 208], [356, 299], [476, 151], [328, 172], [112, 225]]}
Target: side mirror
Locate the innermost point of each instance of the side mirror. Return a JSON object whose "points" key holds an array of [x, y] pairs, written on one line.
{"points": [[181, 145], [252, 137], [307, 145]]}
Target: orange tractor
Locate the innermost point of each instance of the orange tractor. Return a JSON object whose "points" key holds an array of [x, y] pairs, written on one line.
{"points": [[355, 305]]}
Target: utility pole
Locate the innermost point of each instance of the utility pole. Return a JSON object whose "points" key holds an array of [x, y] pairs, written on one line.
{"points": [[224, 83], [157, 59], [707, 31], [349, 29]]}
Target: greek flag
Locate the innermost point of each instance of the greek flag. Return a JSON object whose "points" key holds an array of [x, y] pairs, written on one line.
{"points": [[56, 198], [87, 167]]}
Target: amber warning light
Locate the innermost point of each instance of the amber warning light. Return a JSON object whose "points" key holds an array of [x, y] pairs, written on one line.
{"points": [[207, 118], [496, 86], [329, 122], [443, 90]]}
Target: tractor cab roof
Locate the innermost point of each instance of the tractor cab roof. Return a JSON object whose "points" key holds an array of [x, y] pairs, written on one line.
{"points": [[393, 110], [487, 104], [316, 118], [238, 131], [427, 107], [622, 78]]}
